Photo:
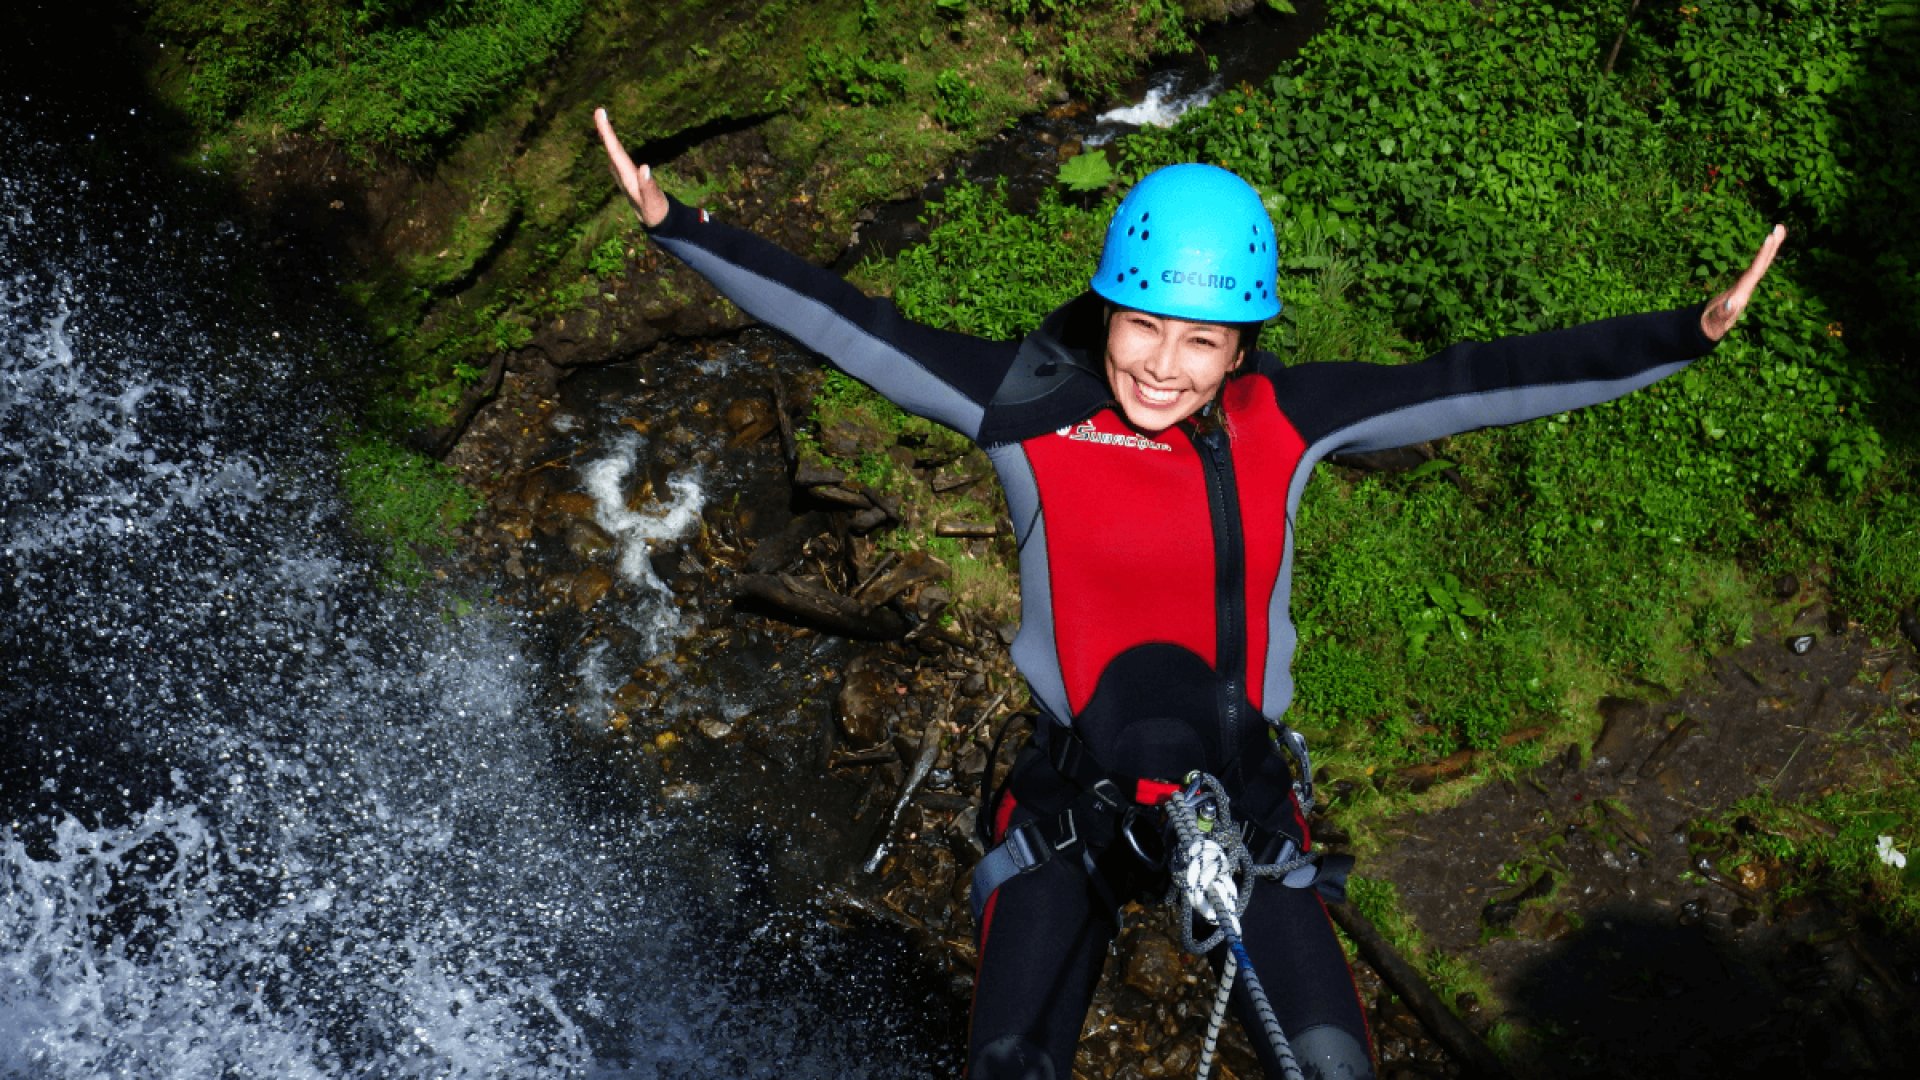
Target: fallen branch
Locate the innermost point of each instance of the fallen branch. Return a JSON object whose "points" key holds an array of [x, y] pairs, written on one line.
{"points": [[1454, 1037], [1418, 778], [922, 765], [818, 607]]}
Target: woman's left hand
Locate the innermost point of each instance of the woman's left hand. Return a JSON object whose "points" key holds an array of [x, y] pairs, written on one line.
{"points": [[635, 181], [1726, 308]]}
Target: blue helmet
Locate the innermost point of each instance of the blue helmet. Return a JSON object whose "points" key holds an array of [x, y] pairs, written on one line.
{"points": [[1191, 242]]}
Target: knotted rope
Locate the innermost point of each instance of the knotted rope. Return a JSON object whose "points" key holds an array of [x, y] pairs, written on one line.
{"points": [[1213, 878]]}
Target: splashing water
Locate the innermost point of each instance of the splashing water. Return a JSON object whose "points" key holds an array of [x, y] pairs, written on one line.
{"points": [[259, 816], [636, 532], [1167, 99]]}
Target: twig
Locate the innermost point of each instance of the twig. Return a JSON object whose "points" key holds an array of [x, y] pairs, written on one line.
{"points": [[1614, 53], [922, 765], [1455, 1037]]}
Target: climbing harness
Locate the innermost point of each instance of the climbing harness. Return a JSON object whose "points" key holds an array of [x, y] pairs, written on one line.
{"points": [[1111, 806], [1212, 860]]}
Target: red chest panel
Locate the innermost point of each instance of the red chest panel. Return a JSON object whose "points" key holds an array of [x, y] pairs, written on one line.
{"points": [[1130, 541]]}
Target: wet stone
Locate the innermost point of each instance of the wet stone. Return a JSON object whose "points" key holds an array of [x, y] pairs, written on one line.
{"points": [[588, 542], [590, 587], [1154, 966], [1625, 722], [573, 504], [867, 703]]}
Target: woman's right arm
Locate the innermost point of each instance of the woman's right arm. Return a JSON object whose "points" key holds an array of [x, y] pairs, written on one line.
{"points": [[946, 377]]}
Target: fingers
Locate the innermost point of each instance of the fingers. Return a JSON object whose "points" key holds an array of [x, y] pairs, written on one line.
{"points": [[1725, 309], [1743, 288], [636, 181]]}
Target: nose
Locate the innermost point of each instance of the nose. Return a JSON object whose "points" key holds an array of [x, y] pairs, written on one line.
{"points": [[1162, 361]]}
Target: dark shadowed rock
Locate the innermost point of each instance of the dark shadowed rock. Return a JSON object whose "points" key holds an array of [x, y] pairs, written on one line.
{"points": [[867, 703]]}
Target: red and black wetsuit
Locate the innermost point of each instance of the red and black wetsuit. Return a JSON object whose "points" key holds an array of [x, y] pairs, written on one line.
{"points": [[1155, 574]]}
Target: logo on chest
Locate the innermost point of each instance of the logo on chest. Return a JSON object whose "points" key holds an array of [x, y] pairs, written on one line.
{"points": [[1086, 432]]}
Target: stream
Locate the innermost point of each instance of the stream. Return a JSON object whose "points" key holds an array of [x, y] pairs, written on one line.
{"points": [[262, 813]]}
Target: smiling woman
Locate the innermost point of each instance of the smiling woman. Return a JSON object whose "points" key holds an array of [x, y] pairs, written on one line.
{"points": [[1164, 370], [1155, 633]]}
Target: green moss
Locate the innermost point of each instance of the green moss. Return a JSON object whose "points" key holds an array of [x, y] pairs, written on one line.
{"points": [[407, 504], [398, 77]]}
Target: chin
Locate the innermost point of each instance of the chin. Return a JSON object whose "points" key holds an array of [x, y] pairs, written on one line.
{"points": [[1155, 421]]}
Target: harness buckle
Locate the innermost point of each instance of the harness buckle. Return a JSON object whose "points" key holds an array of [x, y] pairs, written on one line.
{"points": [[1027, 845]]}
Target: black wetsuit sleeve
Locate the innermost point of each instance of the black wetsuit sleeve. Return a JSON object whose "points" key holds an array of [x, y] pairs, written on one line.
{"points": [[1354, 407], [946, 377]]}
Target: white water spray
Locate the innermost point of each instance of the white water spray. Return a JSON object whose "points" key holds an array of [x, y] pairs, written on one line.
{"points": [[259, 816]]}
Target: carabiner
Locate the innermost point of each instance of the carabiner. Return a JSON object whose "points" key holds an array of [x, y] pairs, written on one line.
{"points": [[1133, 842]]}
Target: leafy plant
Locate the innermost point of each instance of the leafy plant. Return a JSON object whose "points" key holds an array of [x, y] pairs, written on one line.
{"points": [[1449, 608], [956, 99], [1087, 171]]}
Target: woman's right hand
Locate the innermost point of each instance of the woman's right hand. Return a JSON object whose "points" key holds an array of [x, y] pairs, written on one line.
{"points": [[637, 181]]}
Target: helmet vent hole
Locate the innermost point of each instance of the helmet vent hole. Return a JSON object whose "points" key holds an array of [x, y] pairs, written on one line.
{"points": [[1249, 296], [1145, 216], [1121, 278], [1144, 234], [1131, 229], [1143, 283]]}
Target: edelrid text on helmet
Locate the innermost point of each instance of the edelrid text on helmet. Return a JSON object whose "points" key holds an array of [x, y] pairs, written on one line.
{"points": [[1191, 242]]}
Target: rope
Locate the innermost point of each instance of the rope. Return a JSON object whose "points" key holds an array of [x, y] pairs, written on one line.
{"points": [[1213, 878]]}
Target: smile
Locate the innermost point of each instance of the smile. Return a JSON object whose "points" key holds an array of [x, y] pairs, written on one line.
{"points": [[1154, 396]]}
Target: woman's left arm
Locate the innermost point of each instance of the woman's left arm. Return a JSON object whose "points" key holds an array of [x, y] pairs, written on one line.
{"points": [[1355, 407]]}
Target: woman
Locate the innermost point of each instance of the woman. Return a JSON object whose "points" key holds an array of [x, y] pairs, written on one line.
{"points": [[1151, 464]]}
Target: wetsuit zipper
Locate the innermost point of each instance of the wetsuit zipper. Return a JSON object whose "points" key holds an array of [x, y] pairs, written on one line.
{"points": [[1216, 461]]}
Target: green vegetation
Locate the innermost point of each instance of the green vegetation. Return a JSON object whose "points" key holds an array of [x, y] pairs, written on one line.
{"points": [[399, 76], [1451, 171], [489, 216], [405, 502], [1090, 171], [503, 222]]}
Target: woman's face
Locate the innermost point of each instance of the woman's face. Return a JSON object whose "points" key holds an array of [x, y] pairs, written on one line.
{"points": [[1163, 370]]}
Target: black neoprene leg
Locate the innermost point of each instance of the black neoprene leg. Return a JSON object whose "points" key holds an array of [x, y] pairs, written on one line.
{"points": [[1044, 943], [1305, 974]]}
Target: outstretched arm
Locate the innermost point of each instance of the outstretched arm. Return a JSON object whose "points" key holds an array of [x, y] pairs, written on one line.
{"points": [[946, 377], [1359, 407]]}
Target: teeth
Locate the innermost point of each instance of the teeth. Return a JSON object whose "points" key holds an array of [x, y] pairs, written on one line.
{"points": [[1157, 397]]}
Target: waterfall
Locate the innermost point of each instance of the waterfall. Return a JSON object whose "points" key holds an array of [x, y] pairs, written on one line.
{"points": [[261, 815]]}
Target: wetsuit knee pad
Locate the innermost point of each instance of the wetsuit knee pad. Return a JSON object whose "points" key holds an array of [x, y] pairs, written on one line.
{"points": [[1012, 1057], [1326, 1052]]}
